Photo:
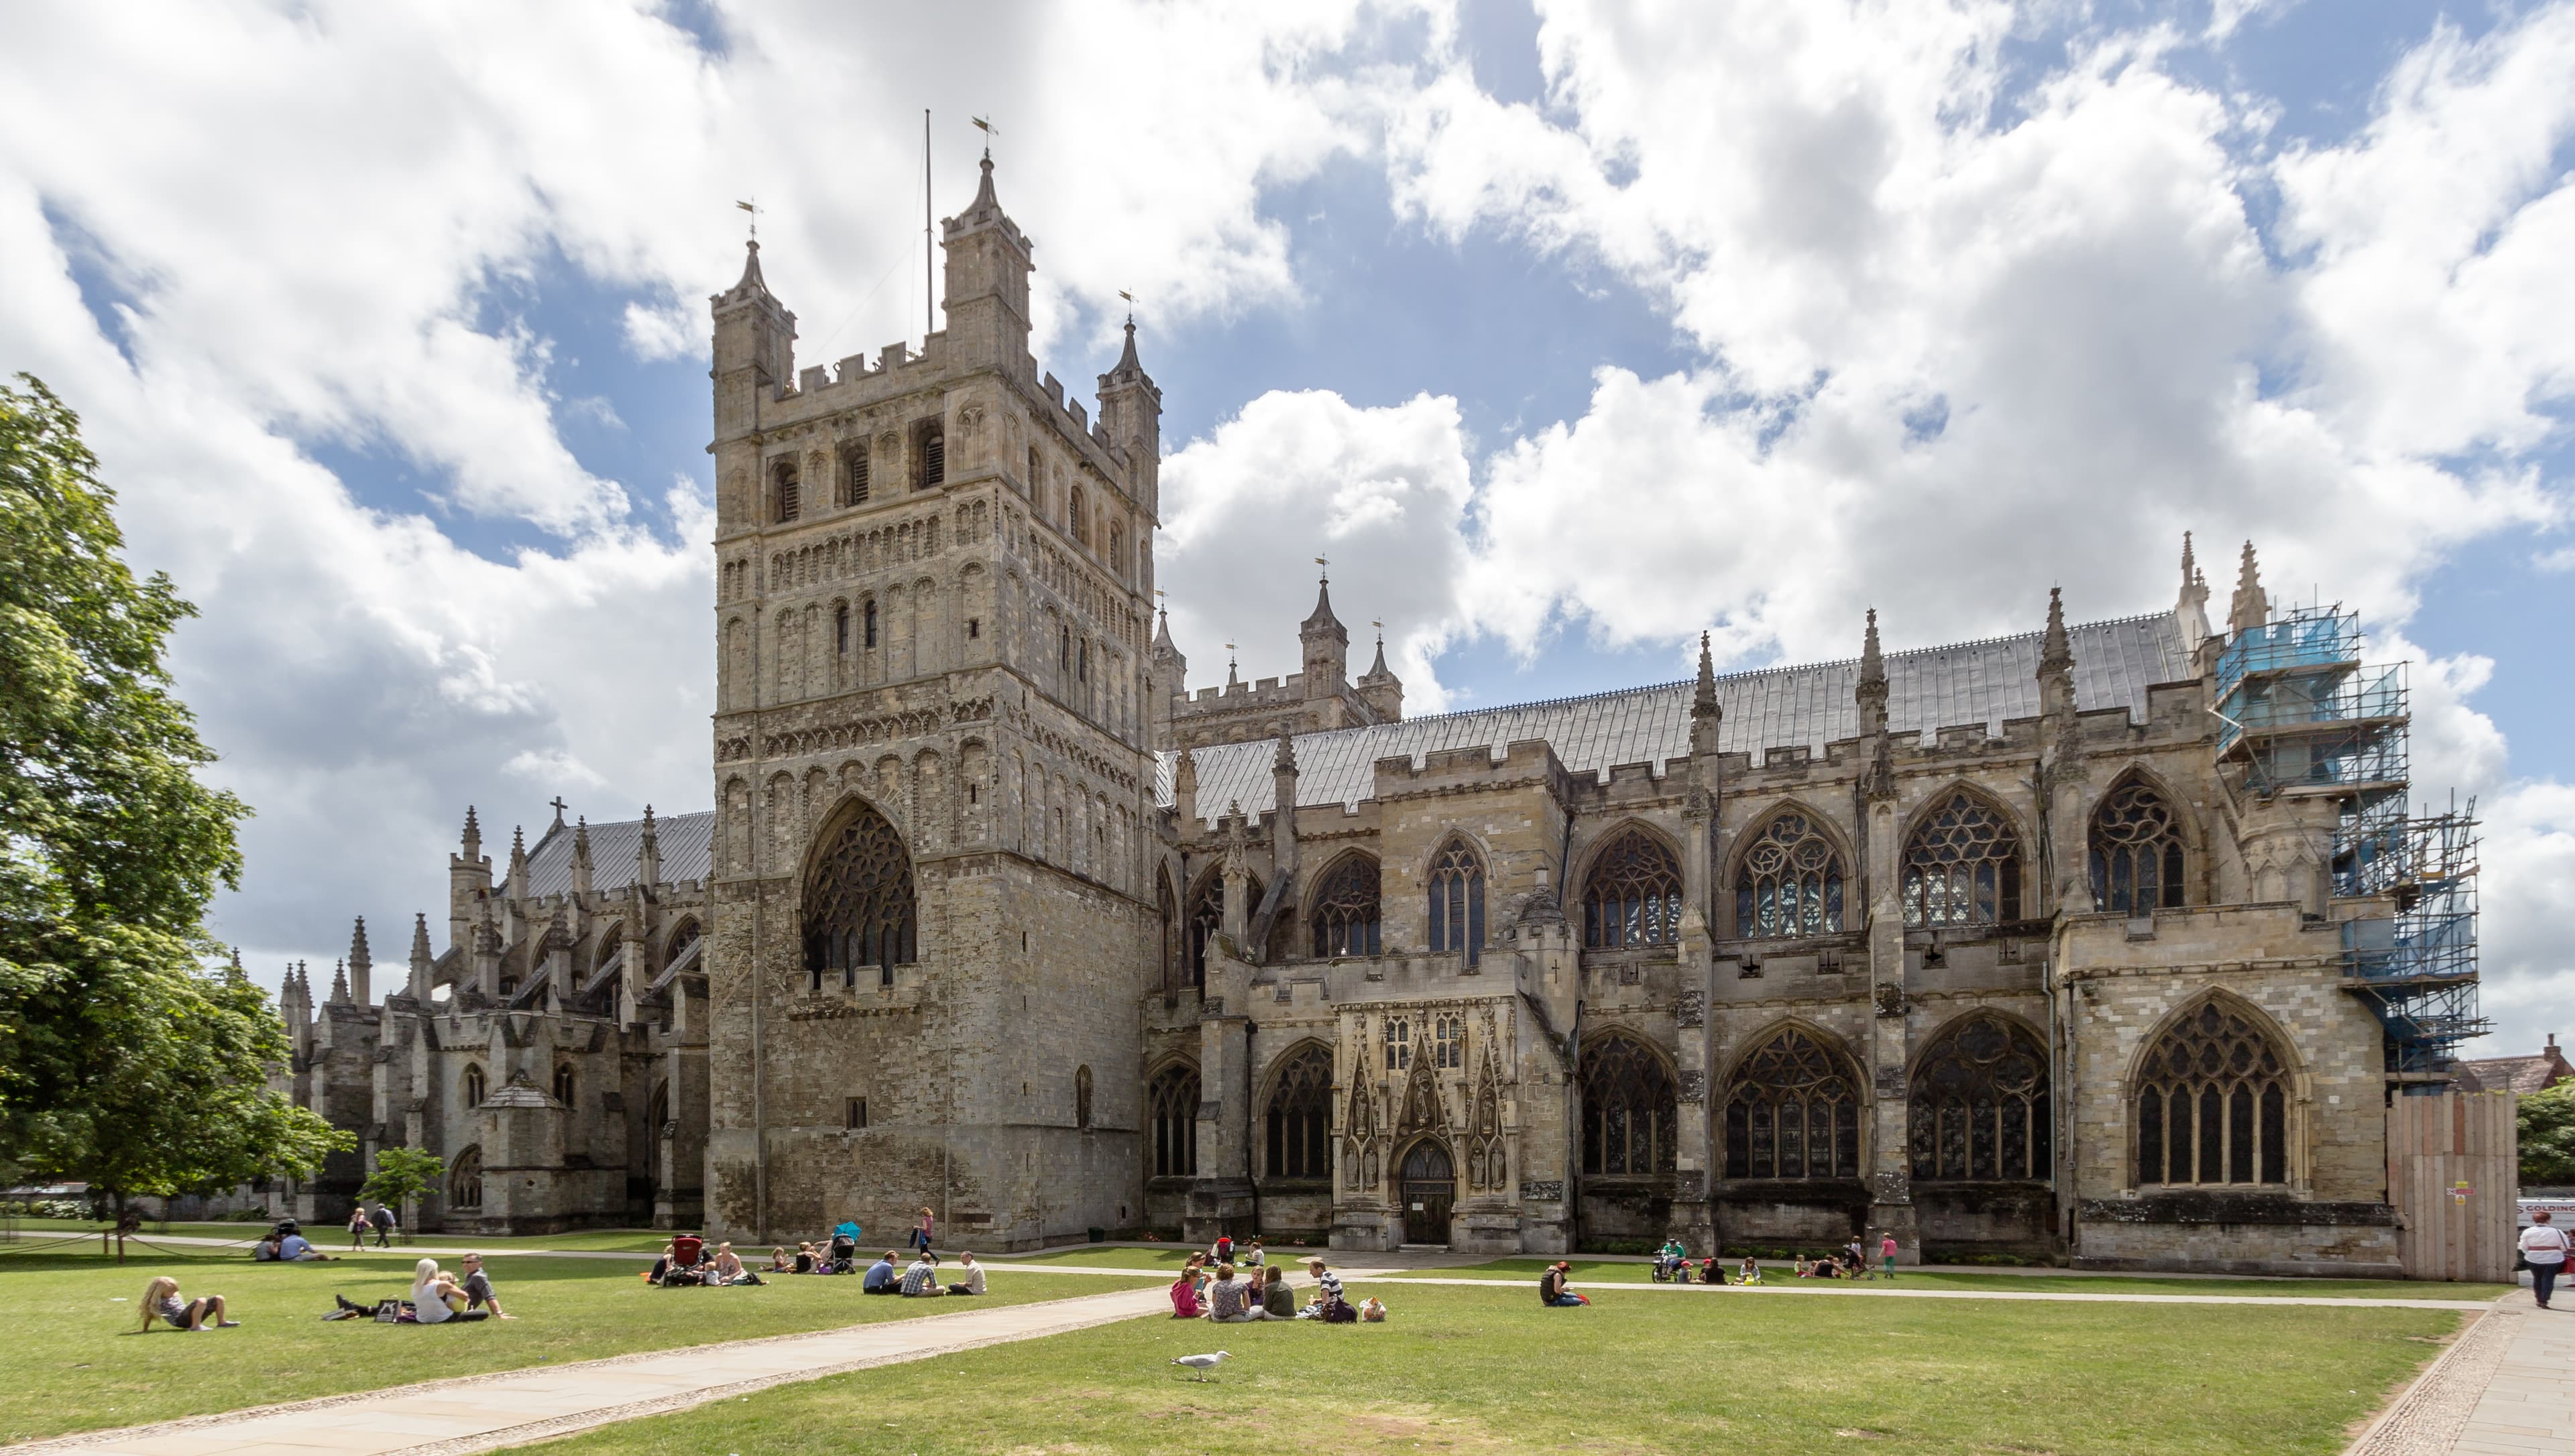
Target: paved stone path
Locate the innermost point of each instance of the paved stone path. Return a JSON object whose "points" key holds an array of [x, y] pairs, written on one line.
{"points": [[2506, 1388]]}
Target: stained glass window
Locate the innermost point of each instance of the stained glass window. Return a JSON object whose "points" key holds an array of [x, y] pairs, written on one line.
{"points": [[1457, 902], [1633, 895], [1793, 1112], [1346, 908], [1979, 1106], [1631, 1109], [859, 903], [1962, 866], [2136, 851], [2212, 1103], [1791, 882]]}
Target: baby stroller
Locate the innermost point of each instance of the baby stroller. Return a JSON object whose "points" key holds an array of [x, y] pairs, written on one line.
{"points": [[845, 1248], [687, 1262]]}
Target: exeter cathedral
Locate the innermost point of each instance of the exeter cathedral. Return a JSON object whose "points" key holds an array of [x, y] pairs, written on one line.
{"points": [[2109, 943]]}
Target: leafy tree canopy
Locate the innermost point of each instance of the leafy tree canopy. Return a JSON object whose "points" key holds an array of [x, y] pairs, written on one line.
{"points": [[2548, 1136], [122, 1059], [402, 1175]]}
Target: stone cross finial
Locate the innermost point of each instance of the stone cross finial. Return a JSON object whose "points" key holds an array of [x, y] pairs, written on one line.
{"points": [[560, 806]]}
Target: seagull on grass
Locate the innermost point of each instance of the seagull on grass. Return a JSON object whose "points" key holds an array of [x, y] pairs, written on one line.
{"points": [[1203, 1362]]}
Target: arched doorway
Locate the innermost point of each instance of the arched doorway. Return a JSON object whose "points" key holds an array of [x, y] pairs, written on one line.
{"points": [[1429, 1187]]}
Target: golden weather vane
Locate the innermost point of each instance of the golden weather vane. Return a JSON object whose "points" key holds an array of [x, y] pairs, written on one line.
{"points": [[751, 207]]}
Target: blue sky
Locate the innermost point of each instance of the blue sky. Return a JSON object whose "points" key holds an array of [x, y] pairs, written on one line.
{"points": [[1564, 336]]}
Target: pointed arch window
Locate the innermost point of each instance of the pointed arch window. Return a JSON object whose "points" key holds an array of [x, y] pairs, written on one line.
{"points": [[1346, 908], [854, 474], [1207, 917], [859, 903], [1172, 1104], [1457, 902], [1081, 514], [1298, 1120], [1962, 866], [681, 942], [2136, 851], [2212, 1103], [465, 1179], [475, 1086], [1634, 895], [1790, 883], [1631, 1110], [1979, 1105], [564, 1084], [930, 450], [1793, 1112], [868, 634]]}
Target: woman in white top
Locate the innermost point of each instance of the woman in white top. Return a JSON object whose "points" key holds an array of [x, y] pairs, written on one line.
{"points": [[2543, 1249]]}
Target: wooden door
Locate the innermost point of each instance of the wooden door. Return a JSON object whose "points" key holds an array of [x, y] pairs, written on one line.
{"points": [[1430, 1185]]}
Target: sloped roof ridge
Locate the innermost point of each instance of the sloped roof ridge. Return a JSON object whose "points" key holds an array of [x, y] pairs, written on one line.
{"points": [[1744, 673]]}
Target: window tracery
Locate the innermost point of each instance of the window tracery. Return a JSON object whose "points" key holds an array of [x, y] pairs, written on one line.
{"points": [[859, 903], [1632, 895], [1207, 917], [1300, 1117], [1346, 908], [1448, 1041], [2137, 858], [1962, 866], [1793, 1112], [474, 1086], [1171, 1101], [1631, 1110], [1981, 1103], [465, 1179], [2212, 1103], [1399, 1043], [1790, 883], [1457, 902]]}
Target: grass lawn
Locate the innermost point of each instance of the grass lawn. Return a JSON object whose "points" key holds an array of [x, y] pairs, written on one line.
{"points": [[75, 1364], [1626, 1273], [1484, 1370], [1166, 1257]]}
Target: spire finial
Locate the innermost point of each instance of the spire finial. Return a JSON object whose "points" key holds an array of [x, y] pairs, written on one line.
{"points": [[1284, 760], [340, 981], [1871, 691], [2056, 653], [1703, 698], [472, 838], [2189, 564], [559, 807], [2252, 609], [420, 936]]}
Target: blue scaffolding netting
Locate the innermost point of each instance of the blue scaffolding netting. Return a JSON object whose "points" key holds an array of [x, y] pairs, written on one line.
{"points": [[2301, 715]]}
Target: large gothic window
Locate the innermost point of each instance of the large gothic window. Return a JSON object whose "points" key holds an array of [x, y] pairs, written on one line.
{"points": [[465, 1179], [1633, 896], [1206, 916], [2136, 851], [859, 903], [1346, 908], [1171, 1104], [1981, 1103], [1793, 1112], [1962, 866], [1631, 1110], [1457, 902], [1791, 882], [2212, 1103], [1300, 1118]]}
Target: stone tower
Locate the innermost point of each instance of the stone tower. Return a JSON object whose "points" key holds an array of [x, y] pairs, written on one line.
{"points": [[932, 783]]}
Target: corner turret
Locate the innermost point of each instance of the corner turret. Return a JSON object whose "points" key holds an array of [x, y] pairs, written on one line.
{"points": [[1130, 414], [987, 284], [1327, 647], [362, 965], [1379, 688], [2252, 609], [755, 357]]}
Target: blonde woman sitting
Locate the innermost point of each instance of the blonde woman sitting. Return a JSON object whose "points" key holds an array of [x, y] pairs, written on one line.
{"points": [[435, 1299], [161, 1302]]}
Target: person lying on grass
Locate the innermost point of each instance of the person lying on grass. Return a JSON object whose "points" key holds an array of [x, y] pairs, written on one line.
{"points": [[161, 1302]]}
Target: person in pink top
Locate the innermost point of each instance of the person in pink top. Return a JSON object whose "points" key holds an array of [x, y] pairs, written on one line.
{"points": [[1886, 1253]]}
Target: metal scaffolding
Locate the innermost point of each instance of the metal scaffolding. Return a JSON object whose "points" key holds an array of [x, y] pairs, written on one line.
{"points": [[2303, 717]]}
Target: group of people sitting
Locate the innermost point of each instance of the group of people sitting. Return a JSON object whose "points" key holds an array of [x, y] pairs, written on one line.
{"points": [[438, 1296], [687, 1263], [285, 1244], [1672, 1265], [1209, 1288], [919, 1280]]}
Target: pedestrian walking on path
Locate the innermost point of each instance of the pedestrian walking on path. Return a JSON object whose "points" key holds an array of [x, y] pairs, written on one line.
{"points": [[1886, 1253], [2543, 1249]]}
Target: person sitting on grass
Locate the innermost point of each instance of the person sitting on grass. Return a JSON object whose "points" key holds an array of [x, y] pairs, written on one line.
{"points": [[1229, 1300], [1712, 1271], [921, 1281], [294, 1248], [881, 1278], [1254, 1258], [1750, 1272], [1185, 1291], [972, 1281], [1551, 1291], [435, 1299], [778, 1263], [161, 1302], [806, 1258], [1276, 1299], [477, 1287], [265, 1251], [728, 1266], [1671, 1261]]}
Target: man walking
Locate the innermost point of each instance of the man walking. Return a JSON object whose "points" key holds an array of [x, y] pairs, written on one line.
{"points": [[383, 1220], [2543, 1249]]}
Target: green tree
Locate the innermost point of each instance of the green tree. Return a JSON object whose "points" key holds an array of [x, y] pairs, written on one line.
{"points": [[124, 1058], [403, 1174], [2548, 1136]]}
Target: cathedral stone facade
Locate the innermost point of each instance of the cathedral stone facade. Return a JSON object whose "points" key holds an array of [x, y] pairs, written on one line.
{"points": [[2008, 947]]}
